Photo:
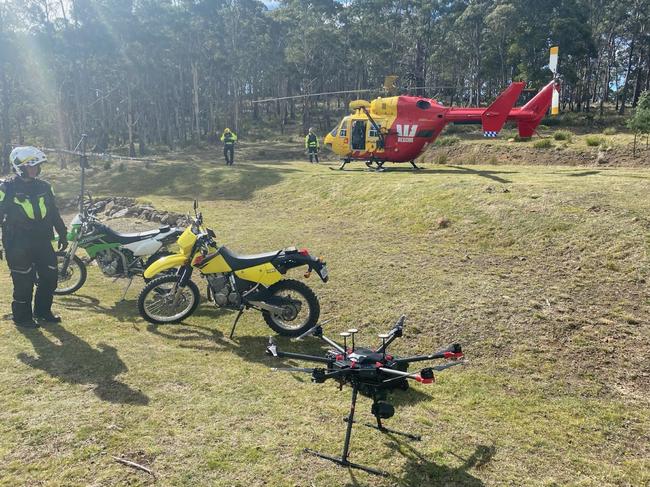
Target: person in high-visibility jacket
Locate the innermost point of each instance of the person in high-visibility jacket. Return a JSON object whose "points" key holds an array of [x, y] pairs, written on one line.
{"points": [[312, 146], [28, 212], [229, 138]]}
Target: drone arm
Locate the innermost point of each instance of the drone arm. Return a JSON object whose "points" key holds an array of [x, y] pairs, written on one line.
{"points": [[396, 332], [395, 372], [302, 356], [425, 376], [392, 338], [453, 352], [333, 344], [272, 349]]}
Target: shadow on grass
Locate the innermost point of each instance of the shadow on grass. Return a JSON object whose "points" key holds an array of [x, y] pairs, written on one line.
{"points": [[455, 170], [583, 173], [419, 470], [123, 311], [205, 181], [74, 361], [207, 339]]}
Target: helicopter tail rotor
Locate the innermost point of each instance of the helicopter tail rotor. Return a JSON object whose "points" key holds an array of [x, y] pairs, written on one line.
{"points": [[552, 64]]}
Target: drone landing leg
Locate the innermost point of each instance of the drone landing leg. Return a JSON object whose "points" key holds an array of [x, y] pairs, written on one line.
{"points": [[343, 459], [234, 325]]}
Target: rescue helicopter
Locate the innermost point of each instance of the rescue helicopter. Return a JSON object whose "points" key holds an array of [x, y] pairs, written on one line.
{"points": [[399, 128]]}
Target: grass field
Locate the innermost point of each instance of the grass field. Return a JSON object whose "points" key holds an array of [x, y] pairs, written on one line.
{"points": [[541, 273]]}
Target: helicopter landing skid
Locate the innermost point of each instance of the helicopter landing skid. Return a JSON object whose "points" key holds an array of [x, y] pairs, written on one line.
{"points": [[380, 165], [342, 166]]}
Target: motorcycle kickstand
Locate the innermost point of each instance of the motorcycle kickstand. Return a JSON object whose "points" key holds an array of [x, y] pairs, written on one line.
{"points": [[234, 325], [128, 285]]}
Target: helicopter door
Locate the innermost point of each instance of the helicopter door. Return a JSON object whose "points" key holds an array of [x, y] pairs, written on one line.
{"points": [[358, 138]]}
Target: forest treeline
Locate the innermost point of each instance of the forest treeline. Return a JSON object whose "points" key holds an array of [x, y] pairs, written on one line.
{"points": [[173, 72]]}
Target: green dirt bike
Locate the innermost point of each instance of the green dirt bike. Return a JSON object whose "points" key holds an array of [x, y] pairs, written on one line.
{"points": [[118, 255]]}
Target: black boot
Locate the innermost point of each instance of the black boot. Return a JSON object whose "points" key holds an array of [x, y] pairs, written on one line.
{"points": [[48, 318], [22, 315]]}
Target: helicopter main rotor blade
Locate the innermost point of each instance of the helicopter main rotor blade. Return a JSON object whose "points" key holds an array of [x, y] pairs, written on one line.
{"points": [[293, 97], [346, 92]]}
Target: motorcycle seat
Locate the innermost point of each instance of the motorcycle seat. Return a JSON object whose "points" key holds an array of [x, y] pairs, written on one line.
{"points": [[237, 262], [127, 238]]}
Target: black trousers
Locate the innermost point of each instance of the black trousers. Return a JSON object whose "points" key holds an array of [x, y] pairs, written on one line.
{"points": [[313, 152], [229, 154], [28, 259]]}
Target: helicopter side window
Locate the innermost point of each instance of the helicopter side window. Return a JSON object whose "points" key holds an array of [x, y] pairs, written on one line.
{"points": [[373, 130], [344, 129], [423, 105]]}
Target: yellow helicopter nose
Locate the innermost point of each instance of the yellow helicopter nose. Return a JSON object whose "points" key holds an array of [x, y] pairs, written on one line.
{"points": [[329, 139]]}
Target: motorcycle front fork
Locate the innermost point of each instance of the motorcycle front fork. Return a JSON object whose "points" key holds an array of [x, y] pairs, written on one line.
{"points": [[68, 256]]}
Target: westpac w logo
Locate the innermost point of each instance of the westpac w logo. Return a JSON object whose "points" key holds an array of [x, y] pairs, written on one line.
{"points": [[405, 133]]}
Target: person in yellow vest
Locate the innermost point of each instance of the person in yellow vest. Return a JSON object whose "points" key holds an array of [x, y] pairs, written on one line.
{"points": [[28, 212], [229, 138], [312, 146]]}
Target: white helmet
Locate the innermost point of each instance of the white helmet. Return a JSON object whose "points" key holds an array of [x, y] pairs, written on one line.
{"points": [[26, 156]]}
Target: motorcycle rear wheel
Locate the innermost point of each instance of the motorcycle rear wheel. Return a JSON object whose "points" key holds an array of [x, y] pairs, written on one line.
{"points": [[155, 303], [295, 321]]}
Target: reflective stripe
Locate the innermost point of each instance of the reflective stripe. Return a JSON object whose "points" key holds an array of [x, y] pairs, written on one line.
{"points": [[52, 267], [2, 196], [21, 272], [27, 207], [42, 206]]}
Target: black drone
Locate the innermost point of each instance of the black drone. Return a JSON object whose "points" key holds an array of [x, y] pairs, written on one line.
{"points": [[373, 373]]}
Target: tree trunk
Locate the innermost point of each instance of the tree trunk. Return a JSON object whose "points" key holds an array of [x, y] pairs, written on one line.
{"points": [[195, 89], [6, 130], [627, 76], [129, 121]]}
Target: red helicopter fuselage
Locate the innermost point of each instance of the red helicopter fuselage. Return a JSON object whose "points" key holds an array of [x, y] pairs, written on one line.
{"points": [[398, 129]]}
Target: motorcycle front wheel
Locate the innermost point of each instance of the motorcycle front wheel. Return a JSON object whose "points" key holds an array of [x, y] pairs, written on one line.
{"points": [[74, 277], [162, 301], [299, 304]]}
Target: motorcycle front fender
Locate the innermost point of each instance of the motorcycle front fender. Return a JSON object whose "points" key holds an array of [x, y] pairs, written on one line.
{"points": [[164, 263]]}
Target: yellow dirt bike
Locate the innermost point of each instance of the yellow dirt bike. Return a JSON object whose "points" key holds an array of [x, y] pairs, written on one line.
{"points": [[236, 282]]}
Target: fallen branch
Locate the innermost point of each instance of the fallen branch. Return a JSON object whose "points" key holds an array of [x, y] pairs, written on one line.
{"points": [[134, 465]]}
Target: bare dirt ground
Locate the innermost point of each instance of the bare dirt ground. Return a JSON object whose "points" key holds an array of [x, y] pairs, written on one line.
{"points": [[504, 152]]}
